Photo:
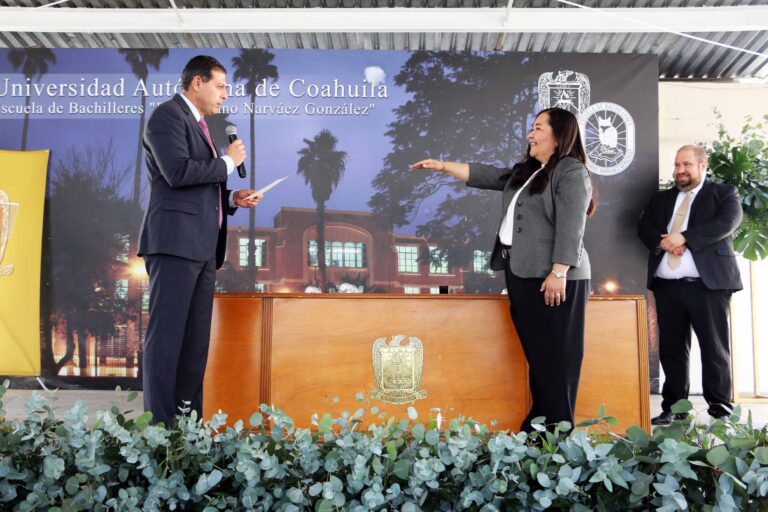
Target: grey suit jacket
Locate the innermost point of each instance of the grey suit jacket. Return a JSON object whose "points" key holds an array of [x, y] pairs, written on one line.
{"points": [[548, 227], [185, 182]]}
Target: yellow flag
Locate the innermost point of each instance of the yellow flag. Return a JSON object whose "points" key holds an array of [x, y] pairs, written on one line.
{"points": [[22, 194]]}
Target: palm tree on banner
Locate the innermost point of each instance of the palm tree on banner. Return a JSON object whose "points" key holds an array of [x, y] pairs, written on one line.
{"points": [[33, 63], [252, 66], [322, 166], [141, 61]]}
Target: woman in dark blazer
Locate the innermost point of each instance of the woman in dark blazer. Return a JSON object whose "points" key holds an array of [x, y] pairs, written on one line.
{"points": [[546, 199]]}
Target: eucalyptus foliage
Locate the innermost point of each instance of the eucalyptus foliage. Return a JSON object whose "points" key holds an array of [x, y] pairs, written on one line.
{"points": [[742, 161], [355, 463]]}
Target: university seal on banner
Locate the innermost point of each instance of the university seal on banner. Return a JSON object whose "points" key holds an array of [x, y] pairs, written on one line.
{"points": [[7, 218], [566, 89], [397, 370], [609, 138]]}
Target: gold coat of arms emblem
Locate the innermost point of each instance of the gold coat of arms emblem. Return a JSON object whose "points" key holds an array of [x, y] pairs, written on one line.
{"points": [[7, 218], [397, 369]]}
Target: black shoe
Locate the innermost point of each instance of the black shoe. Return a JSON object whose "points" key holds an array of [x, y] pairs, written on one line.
{"points": [[666, 417], [720, 412], [722, 416]]}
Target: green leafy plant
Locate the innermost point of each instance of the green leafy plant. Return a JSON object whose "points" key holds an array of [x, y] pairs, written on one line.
{"points": [[352, 463], [743, 162]]}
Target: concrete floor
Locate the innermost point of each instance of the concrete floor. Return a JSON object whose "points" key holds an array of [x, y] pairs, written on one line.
{"points": [[103, 400]]}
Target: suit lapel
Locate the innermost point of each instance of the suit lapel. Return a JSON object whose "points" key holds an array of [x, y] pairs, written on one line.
{"points": [[669, 205], [200, 133], [193, 121], [705, 189], [202, 136]]}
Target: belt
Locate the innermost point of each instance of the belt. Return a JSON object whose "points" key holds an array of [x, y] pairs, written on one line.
{"points": [[682, 280], [505, 251]]}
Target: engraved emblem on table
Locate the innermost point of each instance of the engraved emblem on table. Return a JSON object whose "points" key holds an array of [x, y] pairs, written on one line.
{"points": [[397, 369], [564, 89], [7, 219]]}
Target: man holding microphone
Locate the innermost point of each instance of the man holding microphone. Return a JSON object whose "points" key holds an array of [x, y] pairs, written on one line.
{"points": [[183, 236]]}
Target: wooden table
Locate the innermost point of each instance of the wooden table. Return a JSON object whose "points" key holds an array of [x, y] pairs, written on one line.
{"points": [[312, 353]]}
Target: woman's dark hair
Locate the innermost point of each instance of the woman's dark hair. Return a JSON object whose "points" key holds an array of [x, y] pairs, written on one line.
{"points": [[565, 129]]}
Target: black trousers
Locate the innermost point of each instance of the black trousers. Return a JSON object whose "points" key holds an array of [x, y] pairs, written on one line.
{"points": [[178, 334], [680, 306], [553, 342]]}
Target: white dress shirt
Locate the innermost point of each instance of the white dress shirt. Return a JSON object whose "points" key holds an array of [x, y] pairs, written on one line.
{"points": [[507, 225], [687, 267]]}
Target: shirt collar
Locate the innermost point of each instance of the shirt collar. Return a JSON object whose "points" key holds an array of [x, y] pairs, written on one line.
{"points": [[194, 110], [696, 189]]}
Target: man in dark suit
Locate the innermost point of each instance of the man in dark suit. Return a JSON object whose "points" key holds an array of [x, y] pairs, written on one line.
{"points": [[692, 272], [183, 236]]}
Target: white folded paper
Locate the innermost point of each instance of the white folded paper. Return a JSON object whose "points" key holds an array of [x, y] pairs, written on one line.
{"points": [[268, 187]]}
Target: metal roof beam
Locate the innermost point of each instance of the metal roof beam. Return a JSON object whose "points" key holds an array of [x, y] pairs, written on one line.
{"points": [[399, 20]]}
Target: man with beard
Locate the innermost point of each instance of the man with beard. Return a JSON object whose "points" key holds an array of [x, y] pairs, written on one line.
{"points": [[692, 272]]}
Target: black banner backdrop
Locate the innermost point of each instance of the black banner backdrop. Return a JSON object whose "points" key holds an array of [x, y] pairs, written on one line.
{"points": [[370, 113]]}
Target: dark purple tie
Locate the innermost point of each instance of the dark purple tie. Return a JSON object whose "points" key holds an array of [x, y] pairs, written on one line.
{"points": [[204, 127]]}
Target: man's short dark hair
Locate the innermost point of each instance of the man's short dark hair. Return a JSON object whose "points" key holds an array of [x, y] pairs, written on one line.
{"points": [[201, 66]]}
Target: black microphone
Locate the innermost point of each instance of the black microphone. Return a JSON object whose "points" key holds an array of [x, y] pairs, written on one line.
{"points": [[231, 132]]}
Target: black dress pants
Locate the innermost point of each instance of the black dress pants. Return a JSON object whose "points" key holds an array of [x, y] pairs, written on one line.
{"points": [[553, 342], [681, 305], [178, 334]]}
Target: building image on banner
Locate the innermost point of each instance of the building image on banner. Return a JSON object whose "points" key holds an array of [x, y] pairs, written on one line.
{"points": [[343, 127]]}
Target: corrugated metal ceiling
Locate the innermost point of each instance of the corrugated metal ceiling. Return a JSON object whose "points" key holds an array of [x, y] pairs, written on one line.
{"points": [[679, 57]]}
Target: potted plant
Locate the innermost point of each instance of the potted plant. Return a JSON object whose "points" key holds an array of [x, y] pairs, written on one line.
{"points": [[743, 162]]}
